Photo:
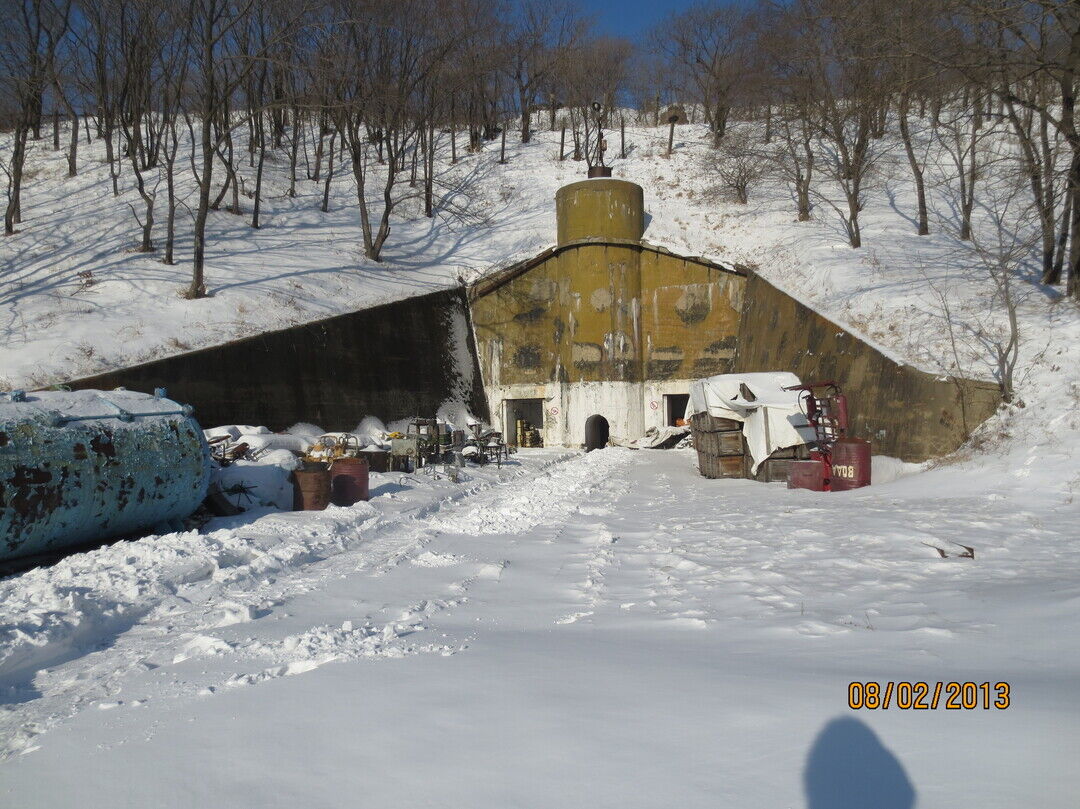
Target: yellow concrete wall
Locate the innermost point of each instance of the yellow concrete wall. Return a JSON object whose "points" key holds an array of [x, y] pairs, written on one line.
{"points": [[689, 317], [608, 312]]}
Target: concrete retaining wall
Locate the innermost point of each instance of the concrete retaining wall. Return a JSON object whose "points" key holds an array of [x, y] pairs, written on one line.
{"points": [[905, 412], [402, 359]]}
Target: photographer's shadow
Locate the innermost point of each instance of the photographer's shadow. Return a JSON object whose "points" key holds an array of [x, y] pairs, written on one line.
{"points": [[849, 768]]}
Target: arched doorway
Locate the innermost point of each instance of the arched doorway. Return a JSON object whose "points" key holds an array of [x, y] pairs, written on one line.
{"points": [[596, 433]]}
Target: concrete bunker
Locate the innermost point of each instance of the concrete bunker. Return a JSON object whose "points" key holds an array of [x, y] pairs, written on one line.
{"points": [[602, 322], [605, 322]]}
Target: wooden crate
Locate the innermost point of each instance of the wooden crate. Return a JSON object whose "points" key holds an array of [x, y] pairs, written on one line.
{"points": [[774, 470], [706, 423], [720, 466], [801, 453], [719, 445]]}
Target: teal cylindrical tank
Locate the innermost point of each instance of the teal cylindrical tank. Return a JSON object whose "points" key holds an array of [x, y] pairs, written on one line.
{"points": [[81, 466]]}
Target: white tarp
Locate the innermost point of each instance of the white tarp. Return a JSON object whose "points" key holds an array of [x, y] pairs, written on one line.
{"points": [[771, 416], [654, 437]]}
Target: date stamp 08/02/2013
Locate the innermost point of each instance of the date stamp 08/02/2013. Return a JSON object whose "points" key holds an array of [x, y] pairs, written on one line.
{"points": [[923, 696]]}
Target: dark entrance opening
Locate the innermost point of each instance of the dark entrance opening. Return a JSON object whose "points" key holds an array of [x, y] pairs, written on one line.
{"points": [[596, 433], [675, 407], [523, 416]]}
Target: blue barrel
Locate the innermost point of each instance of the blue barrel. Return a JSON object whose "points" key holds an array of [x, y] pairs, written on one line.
{"points": [[82, 466]]}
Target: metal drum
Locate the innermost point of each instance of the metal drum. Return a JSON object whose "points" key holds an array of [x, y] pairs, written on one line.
{"points": [[82, 466], [850, 464], [348, 481], [311, 487]]}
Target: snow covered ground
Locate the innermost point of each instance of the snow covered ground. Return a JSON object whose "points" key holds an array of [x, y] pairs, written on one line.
{"points": [[601, 630]]}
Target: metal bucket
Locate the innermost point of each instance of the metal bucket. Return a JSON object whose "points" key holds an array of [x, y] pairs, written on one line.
{"points": [[311, 487], [850, 464], [349, 481]]}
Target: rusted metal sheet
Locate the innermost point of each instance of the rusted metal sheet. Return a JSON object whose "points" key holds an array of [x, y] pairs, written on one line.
{"points": [[79, 466]]}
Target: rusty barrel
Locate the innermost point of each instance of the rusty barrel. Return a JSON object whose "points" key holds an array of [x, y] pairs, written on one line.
{"points": [[349, 481], [850, 464], [806, 475], [311, 487], [377, 460]]}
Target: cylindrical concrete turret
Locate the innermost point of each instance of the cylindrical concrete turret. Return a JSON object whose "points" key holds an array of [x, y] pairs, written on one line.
{"points": [[600, 209]]}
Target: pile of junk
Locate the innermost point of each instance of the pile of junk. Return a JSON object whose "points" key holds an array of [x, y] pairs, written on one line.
{"points": [[771, 427], [334, 468], [81, 467]]}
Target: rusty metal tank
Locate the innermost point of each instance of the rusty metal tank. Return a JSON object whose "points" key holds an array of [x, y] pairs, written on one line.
{"points": [[82, 466], [311, 487], [850, 464], [348, 481]]}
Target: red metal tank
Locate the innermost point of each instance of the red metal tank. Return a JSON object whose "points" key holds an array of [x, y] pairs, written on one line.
{"points": [[349, 481], [850, 464], [807, 475]]}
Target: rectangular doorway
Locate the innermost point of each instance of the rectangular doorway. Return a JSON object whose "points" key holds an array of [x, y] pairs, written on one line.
{"points": [[530, 414], [675, 407]]}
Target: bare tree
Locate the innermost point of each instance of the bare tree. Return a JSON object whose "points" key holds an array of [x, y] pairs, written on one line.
{"points": [[964, 136], [393, 53], [219, 65], [739, 162], [540, 35], [997, 256], [1004, 48], [590, 83], [28, 46], [708, 44], [837, 50]]}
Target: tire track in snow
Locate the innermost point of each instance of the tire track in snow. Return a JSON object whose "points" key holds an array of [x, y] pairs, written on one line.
{"points": [[551, 498], [75, 631]]}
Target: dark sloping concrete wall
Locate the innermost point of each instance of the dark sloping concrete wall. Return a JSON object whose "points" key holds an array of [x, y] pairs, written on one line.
{"points": [[906, 413], [392, 361]]}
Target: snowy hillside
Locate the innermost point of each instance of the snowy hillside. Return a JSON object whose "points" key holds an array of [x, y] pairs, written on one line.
{"points": [[75, 298]]}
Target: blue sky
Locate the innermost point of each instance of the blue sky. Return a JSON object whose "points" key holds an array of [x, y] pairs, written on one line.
{"points": [[629, 18]]}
